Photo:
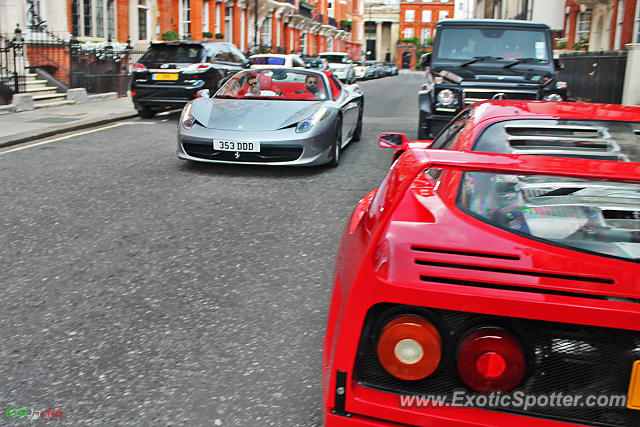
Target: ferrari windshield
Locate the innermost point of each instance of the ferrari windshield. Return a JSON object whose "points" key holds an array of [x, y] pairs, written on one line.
{"points": [[492, 44], [275, 84]]}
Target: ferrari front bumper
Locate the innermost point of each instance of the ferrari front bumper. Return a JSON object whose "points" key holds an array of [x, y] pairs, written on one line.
{"points": [[277, 148]]}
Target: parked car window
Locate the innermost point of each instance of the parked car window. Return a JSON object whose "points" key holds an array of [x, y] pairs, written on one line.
{"points": [[268, 60], [336, 59], [224, 52], [449, 136], [172, 53]]}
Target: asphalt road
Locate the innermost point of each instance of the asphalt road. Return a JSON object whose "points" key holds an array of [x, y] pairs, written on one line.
{"points": [[138, 289]]}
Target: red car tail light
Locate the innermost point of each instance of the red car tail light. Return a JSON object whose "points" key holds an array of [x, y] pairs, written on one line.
{"points": [[490, 359], [139, 67], [409, 348]]}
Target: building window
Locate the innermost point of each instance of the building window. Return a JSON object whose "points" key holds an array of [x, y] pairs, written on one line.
{"points": [[99, 20], [443, 14], [243, 17], [88, 28], [303, 42], [330, 44], [584, 23], [143, 20], [426, 16], [330, 9], [185, 19], [409, 15], [265, 32], [228, 23], [637, 24], [75, 17], [408, 33], [426, 33], [217, 18], [88, 18], [205, 16], [111, 20]]}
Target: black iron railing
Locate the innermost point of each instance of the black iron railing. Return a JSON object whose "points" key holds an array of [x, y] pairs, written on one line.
{"points": [[595, 76], [12, 65], [97, 67]]}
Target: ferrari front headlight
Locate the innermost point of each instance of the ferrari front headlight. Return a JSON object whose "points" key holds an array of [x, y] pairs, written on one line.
{"points": [[186, 119], [307, 124]]}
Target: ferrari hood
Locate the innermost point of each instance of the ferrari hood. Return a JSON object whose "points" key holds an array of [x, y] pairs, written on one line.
{"points": [[251, 114]]}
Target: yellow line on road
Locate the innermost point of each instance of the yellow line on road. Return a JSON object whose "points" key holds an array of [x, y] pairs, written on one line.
{"points": [[60, 138]]}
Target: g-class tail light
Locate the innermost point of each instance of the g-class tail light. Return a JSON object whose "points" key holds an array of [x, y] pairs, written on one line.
{"points": [[490, 359], [409, 347]]}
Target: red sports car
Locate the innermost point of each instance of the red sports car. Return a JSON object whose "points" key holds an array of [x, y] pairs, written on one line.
{"points": [[493, 279]]}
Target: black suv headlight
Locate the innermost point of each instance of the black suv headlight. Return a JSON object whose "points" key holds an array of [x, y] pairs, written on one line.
{"points": [[447, 100]]}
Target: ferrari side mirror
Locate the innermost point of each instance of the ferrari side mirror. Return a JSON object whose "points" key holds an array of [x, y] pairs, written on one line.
{"points": [[203, 93], [392, 140]]}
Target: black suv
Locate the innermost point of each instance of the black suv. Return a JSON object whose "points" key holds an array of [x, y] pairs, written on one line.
{"points": [[475, 60], [169, 74]]}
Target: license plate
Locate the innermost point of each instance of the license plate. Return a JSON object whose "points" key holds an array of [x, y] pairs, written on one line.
{"points": [[165, 76], [241, 146], [633, 397]]}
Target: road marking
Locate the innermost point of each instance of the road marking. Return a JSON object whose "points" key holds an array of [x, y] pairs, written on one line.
{"points": [[60, 138]]}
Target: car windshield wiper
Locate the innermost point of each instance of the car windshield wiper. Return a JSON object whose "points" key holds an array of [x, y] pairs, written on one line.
{"points": [[523, 60], [480, 59]]}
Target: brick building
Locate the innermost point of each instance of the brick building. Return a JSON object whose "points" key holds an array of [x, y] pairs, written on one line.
{"points": [[603, 24], [419, 18]]}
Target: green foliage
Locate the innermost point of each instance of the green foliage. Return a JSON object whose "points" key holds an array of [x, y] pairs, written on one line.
{"points": [[346, 25], [412, 40], [219, 36], [430, 41], [170, 35], [562, 44], [581, 44], [207, 35]]}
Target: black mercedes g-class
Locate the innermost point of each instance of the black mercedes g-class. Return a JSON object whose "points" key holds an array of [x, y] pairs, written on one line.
{"points": [[476, 59], [169, 74]]}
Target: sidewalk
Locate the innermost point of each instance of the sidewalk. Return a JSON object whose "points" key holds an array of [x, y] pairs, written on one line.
{"points": [[16, 128]]}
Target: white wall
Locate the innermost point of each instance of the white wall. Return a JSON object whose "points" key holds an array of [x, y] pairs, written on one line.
{"points": [[550, 12]]}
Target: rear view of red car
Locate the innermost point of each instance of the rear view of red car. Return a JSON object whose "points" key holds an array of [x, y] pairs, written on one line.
{"points": [[492, 279]]}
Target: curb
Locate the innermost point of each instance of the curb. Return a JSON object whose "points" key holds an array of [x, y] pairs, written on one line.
{"points": [[43, 133]]}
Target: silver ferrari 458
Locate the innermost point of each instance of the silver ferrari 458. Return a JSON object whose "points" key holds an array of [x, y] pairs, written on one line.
{"points": [[272, 116]]}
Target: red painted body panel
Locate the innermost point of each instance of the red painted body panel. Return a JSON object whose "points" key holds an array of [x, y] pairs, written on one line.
{"points": [[376, 264]]}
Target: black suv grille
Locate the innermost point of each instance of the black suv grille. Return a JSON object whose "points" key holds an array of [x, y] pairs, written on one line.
{"points": [[566, 358], [474, 95], [266, 154]]}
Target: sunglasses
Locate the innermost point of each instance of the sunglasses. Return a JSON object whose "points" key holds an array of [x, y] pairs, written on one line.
{"points": [[253, 83], [312, 82]]}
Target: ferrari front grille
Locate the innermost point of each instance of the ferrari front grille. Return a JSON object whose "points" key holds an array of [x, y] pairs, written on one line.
{"points": [[472, 95], [266, 154]]}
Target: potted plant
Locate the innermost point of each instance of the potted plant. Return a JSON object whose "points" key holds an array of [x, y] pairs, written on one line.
{"points": [[219, 36], [170, 35], [207, 35]]}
